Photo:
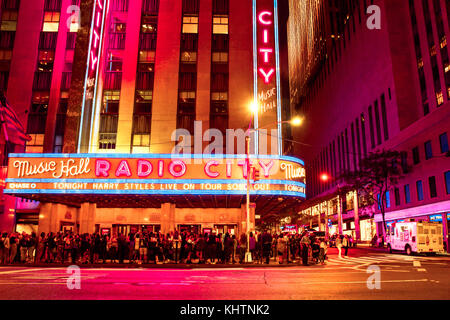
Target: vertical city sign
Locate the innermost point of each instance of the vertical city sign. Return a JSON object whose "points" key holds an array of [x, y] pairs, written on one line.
{"points": [[266, 61], [92, 72]]}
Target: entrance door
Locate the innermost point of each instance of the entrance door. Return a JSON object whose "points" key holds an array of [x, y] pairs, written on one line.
{"points": [[194, 228], [224, 228]]}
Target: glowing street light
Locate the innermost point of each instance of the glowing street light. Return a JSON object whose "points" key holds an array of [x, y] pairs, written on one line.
{"points": [[296, 122]]}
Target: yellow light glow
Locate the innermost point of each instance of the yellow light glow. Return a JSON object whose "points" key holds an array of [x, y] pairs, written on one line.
{"points": [[254, 108], [297, 121]]}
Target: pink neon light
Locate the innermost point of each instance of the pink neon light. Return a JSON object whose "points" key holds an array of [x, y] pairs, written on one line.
{"points": [[96, 39], [102, 167], [97, 23], [262, 15], [266, 54], [267, 75], [160, 168], [208, 171], [181, 165], [93, 61], [266, 36], [123, 169], [266, 167], [145, 168]]}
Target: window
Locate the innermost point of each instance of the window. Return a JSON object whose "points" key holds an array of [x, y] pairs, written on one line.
{"points": [[428, 150], [189, 57], [447, 181], [419, 187], [397, 196], [220, 24], [377, 122], [432, 185], [443, 140], [219, 96], [416, 157], [190, 24], [384, 117], [220, 57], [51, 21], [147, 56], [372, 133], [111, 101], [9, 20], [388, 199], [407, 194], [5, 55]]}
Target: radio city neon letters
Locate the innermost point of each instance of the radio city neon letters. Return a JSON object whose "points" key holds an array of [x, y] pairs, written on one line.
{"points": [[96, 34], [266, 72]]}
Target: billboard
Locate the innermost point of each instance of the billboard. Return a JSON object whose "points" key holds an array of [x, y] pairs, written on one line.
{"points": [[161, 174]]}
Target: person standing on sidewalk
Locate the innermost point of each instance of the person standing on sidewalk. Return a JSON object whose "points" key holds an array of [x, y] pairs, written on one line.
{"points": [[12, 248], [339, 245], [266, 244], [281, 249], [305, 242], [323, 251], [345, 244], [4, 248]]}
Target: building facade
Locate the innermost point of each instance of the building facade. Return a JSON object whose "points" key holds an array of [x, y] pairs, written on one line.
{"points": [[98, 80], [372, 89]]}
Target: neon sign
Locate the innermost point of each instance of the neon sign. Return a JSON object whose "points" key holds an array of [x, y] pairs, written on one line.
{"points": [[150, 174], [265, 18], [92, 71]]}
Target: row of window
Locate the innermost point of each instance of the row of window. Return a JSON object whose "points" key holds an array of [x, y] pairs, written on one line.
{"points": [[432, 190], [444, 148], [346, 152], [433, 52]]}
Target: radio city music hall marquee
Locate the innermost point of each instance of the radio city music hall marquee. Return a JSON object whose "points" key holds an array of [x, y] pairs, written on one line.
{"points": [[152, 174]]}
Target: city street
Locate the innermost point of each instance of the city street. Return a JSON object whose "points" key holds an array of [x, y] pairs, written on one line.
{"points": [[402, 277]]}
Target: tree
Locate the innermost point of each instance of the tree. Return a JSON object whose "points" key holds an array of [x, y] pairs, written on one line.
{"points": [[378, 172]]}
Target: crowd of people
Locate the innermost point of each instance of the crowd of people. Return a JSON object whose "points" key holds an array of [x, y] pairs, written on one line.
{"points": [[158, 248]]}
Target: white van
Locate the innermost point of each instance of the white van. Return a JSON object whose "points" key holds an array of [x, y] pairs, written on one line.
{"points": [[415, 237]]}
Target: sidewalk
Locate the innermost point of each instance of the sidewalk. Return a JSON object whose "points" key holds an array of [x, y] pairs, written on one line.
{"points": [[172, 265]]}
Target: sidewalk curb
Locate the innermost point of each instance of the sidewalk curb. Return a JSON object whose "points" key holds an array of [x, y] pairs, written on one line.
{"points": [[155, 266]]}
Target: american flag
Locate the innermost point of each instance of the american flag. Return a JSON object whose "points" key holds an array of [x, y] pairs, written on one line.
{"points": [[12, 128]]}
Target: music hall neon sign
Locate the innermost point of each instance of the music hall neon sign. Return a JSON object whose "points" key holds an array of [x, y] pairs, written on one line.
{"points": [[92, 72], [42, 174]]}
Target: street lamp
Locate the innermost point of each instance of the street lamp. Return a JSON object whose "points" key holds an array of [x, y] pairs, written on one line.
{"points": [[254, 109]]}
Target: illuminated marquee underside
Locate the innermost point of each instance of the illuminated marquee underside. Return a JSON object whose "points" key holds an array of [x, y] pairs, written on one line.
{"points": [[99, 174]]}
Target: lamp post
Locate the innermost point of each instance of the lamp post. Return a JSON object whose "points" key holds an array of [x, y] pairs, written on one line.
{"points": [[254, 108]]}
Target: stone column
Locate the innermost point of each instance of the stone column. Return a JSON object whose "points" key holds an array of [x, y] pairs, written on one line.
{"points": [[87, 217], [167, 217], [339, 209], [445, 229], [48, 218], [356, 212], [326, 219]]}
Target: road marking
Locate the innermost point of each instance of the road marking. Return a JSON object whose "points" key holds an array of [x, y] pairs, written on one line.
{"points": [[350, 282], [421, 269], [416, 263], [21, 270]]}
